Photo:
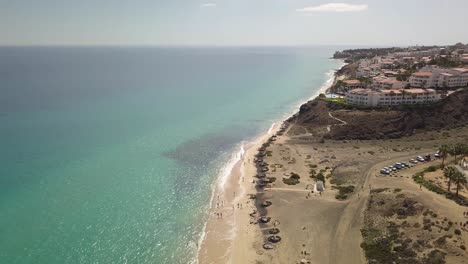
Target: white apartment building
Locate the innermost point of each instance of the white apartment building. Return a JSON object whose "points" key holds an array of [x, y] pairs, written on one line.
{"points": [[417, 53], [349, 85], [435, 77], [388, 83], [423, 79], [389, 97]]}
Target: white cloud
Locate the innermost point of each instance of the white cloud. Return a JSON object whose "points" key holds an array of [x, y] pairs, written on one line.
{"points": [[334, 7], [208, 5]]}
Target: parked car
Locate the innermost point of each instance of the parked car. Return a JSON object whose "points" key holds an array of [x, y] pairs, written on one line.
{"points": [[437, 154], [405, 164], [420, 159], [414, 161], [384, 171], [398, 166], [427, 157]]}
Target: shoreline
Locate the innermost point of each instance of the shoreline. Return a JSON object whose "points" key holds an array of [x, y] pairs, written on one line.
{"points": [[214, 244]]}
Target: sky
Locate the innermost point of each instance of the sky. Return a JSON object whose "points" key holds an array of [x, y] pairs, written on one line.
{"points": [[233, 22]]}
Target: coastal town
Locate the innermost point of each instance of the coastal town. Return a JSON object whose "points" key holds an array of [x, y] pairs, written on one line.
{"points": [[373, 170], [402, 76]]}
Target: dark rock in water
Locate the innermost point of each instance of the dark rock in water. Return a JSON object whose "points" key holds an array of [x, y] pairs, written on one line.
{"points": [[266, 203], [264, 219]]}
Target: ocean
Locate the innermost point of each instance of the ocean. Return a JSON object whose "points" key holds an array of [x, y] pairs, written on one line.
{"points": [[110, 154]]}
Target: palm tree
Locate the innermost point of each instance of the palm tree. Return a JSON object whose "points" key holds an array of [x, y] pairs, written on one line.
{"points": [[464, 152], [457, 150], [449, 173], [459, 179], [443, 151]]}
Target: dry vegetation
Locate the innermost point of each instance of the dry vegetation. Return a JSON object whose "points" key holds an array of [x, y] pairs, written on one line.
{"points": [[400, 229]]}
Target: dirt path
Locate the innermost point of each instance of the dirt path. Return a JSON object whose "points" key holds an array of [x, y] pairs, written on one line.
{"points": [[337, 119], [347, 236]]}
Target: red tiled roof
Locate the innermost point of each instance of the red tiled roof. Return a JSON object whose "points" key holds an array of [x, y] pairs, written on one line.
{"points": [[391, 91], [422, 74], [415, 91]]}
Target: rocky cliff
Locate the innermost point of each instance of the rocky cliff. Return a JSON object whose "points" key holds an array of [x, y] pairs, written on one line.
{"points": [[382, 123]]}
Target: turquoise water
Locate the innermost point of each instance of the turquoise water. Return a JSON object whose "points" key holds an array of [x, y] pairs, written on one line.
{"points": [[108, 155]]}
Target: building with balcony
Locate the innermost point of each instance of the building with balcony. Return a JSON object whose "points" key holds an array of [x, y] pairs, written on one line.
{"points": [[391, 97]]}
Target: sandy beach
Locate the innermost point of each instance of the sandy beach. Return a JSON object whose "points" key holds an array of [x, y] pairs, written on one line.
{"points": [[332, 225], [315, 227], [230, 237]]}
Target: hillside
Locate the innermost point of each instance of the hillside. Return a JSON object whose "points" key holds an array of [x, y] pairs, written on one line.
{"points": [[381, 123]]}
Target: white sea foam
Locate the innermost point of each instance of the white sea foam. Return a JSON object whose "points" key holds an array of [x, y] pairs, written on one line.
{"points": [[226, 170], [219, 186], [271, 128]]}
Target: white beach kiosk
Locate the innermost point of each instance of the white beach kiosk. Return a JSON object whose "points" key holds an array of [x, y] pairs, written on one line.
{"points": [[319, 186]]}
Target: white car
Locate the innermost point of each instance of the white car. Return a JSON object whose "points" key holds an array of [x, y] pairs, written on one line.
{"points": [[420, 159], [384, 171], [413, 161]]}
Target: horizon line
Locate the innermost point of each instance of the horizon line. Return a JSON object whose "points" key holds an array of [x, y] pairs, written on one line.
{"points": [[215, 45]]}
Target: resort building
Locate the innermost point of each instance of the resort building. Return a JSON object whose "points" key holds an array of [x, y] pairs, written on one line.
{"points": [[422, 79], [349, 85], [435, 77], [417, 53], [388, 97], [388, 83]]}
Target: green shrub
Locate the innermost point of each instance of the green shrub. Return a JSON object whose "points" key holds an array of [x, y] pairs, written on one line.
{"points": [[320, 177], [292, 180], [295, 176], [430, 169], [378, 190], [343, 191]]}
